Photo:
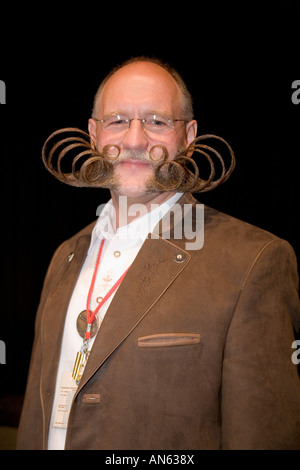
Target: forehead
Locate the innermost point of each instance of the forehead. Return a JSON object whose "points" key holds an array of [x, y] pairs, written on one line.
{"points": [[140, 86]]}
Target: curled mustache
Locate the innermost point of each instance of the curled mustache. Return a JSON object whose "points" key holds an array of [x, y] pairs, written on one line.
{"points": [[74, 161]]}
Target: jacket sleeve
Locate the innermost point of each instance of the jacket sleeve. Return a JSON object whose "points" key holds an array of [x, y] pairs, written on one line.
{"points": [[30, 429], [260, 383]]}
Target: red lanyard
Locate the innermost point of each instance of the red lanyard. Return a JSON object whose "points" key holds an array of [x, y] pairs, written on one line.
{"points": [[91, 315]]}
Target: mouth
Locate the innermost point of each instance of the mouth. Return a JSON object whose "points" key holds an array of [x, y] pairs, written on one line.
{"points": [[134, 161]]}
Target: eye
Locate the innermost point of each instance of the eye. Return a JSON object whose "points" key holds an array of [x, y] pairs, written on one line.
{"points": [[117, 121], [157, 121]]}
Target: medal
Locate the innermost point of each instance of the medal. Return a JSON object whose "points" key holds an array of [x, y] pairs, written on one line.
{"points": [[81, 324]]}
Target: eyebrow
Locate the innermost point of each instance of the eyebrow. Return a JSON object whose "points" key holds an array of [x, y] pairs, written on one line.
{"points": [[112, 113], [118, 112]]}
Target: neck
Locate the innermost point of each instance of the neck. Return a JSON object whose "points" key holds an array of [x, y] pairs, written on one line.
{"points": [[128, 208]]}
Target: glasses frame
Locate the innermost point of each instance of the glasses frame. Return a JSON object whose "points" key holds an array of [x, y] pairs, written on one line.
{"points": [[142, 120]]}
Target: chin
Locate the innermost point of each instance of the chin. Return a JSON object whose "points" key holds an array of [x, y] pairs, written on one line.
{"points": [[134, 192], [133, 186]]}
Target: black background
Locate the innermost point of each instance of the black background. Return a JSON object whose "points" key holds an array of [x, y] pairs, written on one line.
{"points": [[239, 64]]}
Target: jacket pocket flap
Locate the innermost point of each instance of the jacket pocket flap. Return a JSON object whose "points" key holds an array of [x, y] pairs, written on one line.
{"points": [[168, 339]]}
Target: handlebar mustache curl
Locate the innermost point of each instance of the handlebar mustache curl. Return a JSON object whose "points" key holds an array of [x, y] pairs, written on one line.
{"points": [[75, 161]]}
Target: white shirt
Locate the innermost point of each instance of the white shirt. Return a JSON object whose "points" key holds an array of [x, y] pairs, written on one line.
{"points": [[119, 251]]}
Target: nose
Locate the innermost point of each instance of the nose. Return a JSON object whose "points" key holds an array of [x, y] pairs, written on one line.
{"points": [[135, 138]]}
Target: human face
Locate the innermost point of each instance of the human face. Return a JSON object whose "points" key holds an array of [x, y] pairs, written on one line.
{"points": [[135, 91]]}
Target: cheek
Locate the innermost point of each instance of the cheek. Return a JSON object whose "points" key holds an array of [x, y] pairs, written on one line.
{"points": [[101, 142], [174, 143]]}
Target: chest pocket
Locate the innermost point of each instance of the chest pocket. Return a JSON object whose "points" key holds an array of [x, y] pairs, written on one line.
{"points": [[168, 339]]}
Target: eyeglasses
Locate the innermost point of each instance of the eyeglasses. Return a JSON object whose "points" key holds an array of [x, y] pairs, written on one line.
{"points": [[154, 123]]}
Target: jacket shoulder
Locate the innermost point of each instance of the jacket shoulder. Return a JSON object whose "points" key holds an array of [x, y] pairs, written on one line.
{"points": [[237, 246], [219, 226], [232, 229]]}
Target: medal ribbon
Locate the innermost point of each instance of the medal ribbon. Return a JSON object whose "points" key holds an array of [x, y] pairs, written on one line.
{"points": [[89, 314], [82, 355]]}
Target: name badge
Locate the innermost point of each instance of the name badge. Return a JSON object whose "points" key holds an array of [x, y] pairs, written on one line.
{"points": [[67, 390]]}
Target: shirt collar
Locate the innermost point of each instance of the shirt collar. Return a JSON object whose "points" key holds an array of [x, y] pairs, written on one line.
{"points": [[138, 229]]}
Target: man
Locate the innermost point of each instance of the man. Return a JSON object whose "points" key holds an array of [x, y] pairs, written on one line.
{"points": [[190, 348]]}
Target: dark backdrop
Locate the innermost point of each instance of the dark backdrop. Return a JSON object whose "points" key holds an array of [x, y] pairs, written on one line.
{"points": [[239, 66]]}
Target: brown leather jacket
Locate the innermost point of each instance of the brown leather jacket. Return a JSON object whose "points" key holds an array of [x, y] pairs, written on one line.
{"points": [[193, 354]]}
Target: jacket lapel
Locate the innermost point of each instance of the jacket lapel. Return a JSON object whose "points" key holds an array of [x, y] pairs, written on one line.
{"points": [[54, 316], [156, 266]]}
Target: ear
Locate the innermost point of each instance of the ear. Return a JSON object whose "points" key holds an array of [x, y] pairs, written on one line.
{"points": [[191, 132], [92, 126]]}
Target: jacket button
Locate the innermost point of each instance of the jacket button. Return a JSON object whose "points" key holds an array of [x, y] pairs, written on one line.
{"points": [[179, 257]]}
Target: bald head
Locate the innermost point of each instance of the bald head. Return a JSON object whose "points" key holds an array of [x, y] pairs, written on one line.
{"points": [[160, 74]]}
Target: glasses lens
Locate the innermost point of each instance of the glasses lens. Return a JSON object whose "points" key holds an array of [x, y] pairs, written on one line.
{"points": [[158, 124], [115, 123]]}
